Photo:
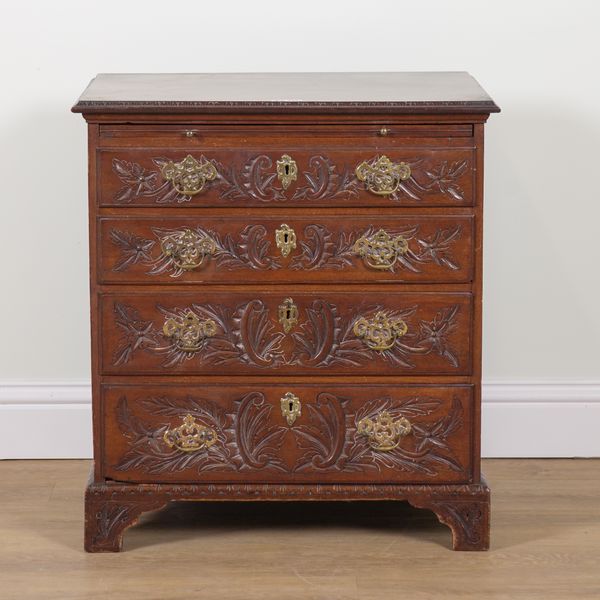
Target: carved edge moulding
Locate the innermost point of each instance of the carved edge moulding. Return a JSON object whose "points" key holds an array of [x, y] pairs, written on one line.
{"points": [[437, 170], [113, 507]]}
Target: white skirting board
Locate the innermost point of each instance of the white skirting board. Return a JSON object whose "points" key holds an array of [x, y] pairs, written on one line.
{"points": [[520, 419]]}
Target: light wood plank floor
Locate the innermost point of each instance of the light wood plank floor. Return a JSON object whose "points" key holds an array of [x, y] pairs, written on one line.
{"points": [[545, 543]]}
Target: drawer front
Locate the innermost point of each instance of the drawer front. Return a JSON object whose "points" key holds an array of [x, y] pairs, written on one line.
{"points": [[287, 433], [371, 331], [295, 249], [290, 176]]}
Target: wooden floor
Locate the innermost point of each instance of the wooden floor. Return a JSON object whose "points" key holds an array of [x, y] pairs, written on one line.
{"points": [[545, 543]]}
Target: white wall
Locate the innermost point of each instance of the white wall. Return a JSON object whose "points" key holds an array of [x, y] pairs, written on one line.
{"points": [[539, 60]]}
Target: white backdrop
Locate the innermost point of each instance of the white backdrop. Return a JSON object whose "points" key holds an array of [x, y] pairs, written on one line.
{"points": [[539, 61]]}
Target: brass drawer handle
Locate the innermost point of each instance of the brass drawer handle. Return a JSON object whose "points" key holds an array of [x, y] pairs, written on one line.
{"points": [[188, 331], [190, 436], [380, 332], [291, 408], [381, 176], [189, 176], [380, 250], [187, 249], [285, 239], [383, 433]]}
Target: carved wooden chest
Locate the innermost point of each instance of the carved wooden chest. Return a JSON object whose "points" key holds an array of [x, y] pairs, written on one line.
{"points": [[286, 282]]}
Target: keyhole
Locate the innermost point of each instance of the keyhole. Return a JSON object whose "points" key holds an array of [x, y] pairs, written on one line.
{"points": [[291, 406], [285, 238], [288, 313], [287, 169]]}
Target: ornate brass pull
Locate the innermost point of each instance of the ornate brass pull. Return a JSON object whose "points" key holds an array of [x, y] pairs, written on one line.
{"points": [[188, 331], [187, 249], [189, 176], [380, 332], [190, 436], [291, 408], [287, 171], [381, 176], [380, 250], [285, 238], [288, 314], [384, 434]]}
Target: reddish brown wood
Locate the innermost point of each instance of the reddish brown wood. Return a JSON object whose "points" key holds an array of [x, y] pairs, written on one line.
{"points": [[440, 176], [438, 249], [143, 380], [254, 441], [249, 338], [410, 92], [113, 507]]}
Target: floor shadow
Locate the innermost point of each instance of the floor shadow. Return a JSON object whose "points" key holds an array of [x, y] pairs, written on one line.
{"points": [[185, 520]]}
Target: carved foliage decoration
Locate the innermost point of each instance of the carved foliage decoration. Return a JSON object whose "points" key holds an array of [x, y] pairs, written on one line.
{"points": [[140, 184], [243, 335], [257, 179], [332, 441], [327, 437], [249, 251], [424, 177], [322, 249], [179, 250], [250, 335], [244, 440], [421, 450], [326, 338]]}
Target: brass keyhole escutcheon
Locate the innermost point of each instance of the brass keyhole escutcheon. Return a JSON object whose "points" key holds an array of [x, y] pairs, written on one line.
{"points": [[288, 314], [287, 171], [291, 408], [285, 239]]}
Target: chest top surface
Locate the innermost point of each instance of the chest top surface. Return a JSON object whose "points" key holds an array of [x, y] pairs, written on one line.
{"points": [[408, 92]]}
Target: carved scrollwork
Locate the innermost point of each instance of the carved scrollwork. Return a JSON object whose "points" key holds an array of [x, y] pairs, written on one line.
{"points": [[163, 449], [381, 424], [322, 440], [258, 442], [325, 338], [324, 181], [256, 179], [248, 335], [379, 248], [330, 437], [184, 250], [209, 438]]}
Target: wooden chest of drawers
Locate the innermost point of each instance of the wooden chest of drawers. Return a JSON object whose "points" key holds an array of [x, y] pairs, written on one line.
{"points": [[286, 283]]}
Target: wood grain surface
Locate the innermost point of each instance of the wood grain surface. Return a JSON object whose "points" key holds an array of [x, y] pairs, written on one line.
{"points": [[546, 535]]}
